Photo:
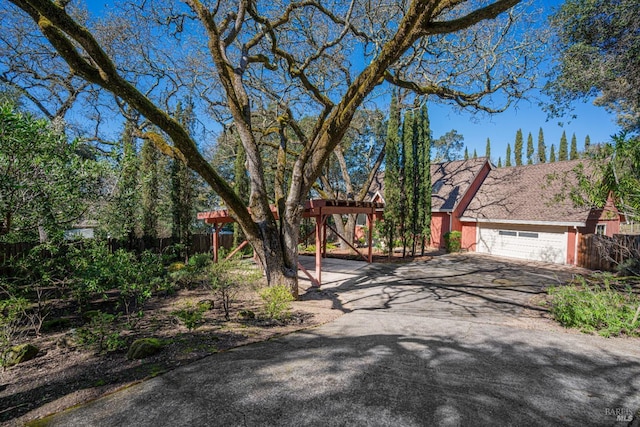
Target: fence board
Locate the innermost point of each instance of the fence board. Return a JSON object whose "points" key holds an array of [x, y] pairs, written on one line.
{"points": [[200, 243], [604, 253]]}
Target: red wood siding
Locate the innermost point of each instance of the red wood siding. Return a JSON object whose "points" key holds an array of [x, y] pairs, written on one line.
{"points": [[439, 226], [466, 199], [469, 236], [572, 237]]}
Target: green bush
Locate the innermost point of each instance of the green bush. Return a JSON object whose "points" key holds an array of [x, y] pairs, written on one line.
{"points": [[11, 320], [101, 334], [596, 306], [224, 283], [199, 261], [191, 316], [453, 241], [277, 301]]}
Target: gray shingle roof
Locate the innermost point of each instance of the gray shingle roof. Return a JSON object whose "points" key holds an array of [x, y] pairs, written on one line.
{"points": [[451, 180], [531, 193]]}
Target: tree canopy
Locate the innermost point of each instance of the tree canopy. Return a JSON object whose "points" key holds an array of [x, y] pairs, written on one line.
{"points": [[45, 184], [598, 50], [304, 58]]}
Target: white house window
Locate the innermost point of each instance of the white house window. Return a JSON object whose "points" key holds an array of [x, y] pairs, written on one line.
{"points": [[528, 234], [507, 233], [601, 229]]}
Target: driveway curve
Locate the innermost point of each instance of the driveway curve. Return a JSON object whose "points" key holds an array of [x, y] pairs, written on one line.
{"points": [[448, 342]]}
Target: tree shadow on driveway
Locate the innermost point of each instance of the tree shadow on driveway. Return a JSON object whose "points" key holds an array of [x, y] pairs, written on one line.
{"points": [[458, 285], [338, 375]]}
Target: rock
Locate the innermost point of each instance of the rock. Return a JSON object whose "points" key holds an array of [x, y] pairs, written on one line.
{"points": [[68, 340], [21, 353], [144, 347], [246, 314]]}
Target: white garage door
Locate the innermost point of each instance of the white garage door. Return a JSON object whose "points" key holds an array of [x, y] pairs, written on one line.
{"points": [[536, 243]]}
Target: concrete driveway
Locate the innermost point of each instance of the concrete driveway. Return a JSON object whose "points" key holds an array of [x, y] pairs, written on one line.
{"points": [[453, 341]]}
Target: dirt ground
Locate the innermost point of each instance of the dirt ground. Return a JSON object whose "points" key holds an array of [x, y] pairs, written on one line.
{"points": [[62, 375]]}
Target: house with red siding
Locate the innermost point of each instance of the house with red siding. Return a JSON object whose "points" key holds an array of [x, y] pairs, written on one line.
{"points": [[453, 186], [527, 212], [521, 212]]}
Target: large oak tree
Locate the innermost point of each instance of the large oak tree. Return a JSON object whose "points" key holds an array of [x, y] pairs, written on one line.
{"points": [[305, 58]]}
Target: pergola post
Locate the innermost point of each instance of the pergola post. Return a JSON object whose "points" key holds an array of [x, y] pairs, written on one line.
{"points": [[323, 219], [370, 220], [319, 239], [216, 241]]}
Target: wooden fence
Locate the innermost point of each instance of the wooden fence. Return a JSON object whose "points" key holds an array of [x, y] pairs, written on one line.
{"points": [[10, 250], [200, 243], [604, 253]]}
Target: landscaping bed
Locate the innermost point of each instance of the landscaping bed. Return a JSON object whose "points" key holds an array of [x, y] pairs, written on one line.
{"points": [[65, 374]]}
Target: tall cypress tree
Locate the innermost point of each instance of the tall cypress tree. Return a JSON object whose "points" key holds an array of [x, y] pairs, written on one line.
{"points": [[241, 185], [552, 154], [530, 149], [542, 149], [518, 148], [466, 153], [507, 162], [587, 144], [499, 162], [563, 150], [487, 150], [424, 187], [475, 154], [409, 182], [182, 186], [122, 216], [573, 154], [392, 185], [150, 157]]}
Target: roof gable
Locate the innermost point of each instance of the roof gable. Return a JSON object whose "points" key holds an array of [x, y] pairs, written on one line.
{"points": [[450, 181], [530, 193]]}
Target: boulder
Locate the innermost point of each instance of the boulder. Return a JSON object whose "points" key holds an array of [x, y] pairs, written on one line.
{"points": [[21, 353], [144, 347]]}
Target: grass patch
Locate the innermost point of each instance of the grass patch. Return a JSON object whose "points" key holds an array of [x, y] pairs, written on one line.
{"points": [[601, 303]]}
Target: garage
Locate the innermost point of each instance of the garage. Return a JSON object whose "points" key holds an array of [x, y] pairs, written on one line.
{"points": [[537, 243]]}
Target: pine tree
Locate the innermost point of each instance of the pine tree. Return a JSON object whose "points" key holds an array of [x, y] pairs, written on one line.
{"points": [[392, 185], [530, 149], [424, 187], [466, 153], [475, 154], [487, 151], [542, 149], [518, 148], [552, 154], [507, 162], [573, 154], [499, 162], [563, 150]]}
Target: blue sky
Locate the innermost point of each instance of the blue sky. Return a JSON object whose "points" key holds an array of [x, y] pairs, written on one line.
{"points": [[526, 115], [501, 128]]}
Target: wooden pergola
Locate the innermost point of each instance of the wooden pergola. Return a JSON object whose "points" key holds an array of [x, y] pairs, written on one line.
{"points": [[318, 209]]}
